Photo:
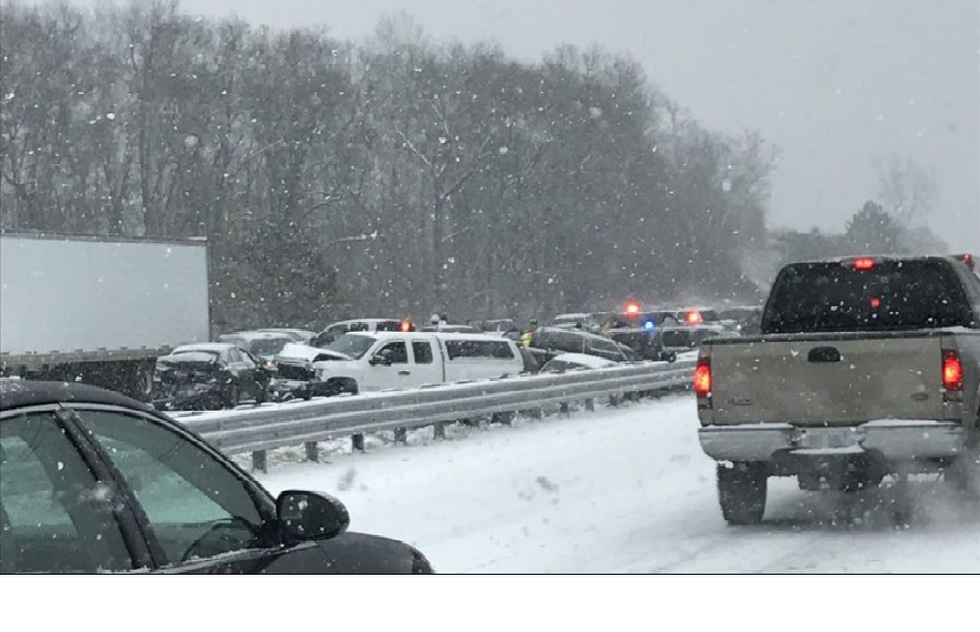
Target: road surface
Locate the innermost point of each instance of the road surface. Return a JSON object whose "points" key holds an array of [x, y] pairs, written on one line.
{"points": [[624, 490]]}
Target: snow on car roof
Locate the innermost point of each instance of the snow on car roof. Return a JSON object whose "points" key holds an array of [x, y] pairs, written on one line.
{"points": [[265, 334], [364, 320], [590, 361], [570, 316], [213, 347]]}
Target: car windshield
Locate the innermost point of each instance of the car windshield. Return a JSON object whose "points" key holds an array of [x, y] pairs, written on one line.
{"points": [[267, 346], [352, 345]]}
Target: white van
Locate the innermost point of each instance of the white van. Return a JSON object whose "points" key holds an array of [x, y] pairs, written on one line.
{"points": [[376, 361]]}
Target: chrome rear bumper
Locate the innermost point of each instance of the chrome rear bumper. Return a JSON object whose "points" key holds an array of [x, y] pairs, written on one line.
{"points": [[899, 441]]}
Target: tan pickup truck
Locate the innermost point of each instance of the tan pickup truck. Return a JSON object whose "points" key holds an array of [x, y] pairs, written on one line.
{"points": [[866, 367]]}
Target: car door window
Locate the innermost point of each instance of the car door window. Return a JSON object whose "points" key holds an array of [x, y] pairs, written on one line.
{"points": [[55, 515], [234, 355], [396, 352], [196, 505], [422, 352]]}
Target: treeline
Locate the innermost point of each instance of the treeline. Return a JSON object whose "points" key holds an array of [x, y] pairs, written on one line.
{"points": [[871, 230], [394, 176]]}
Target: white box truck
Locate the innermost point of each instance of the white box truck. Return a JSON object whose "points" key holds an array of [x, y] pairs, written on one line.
{"points": [[99, 309]]}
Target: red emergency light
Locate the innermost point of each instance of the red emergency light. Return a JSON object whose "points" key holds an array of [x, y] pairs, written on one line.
{"points": [[406, 326], [863, 264], [694, 318], [632, 308]]}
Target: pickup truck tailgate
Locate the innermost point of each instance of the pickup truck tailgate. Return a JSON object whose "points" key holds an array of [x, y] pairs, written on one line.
{"points": [[832, 380]]}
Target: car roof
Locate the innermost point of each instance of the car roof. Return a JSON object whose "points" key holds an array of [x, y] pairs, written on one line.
{"points": [[427, 335], [255, 334], [364, 320], [276, 330], [214, 347], [584, 359], [577, 332], [16, 393]]}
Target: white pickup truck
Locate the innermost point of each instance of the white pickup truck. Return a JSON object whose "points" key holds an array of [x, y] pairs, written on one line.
{"points": [[376, 361], [866, 367]]}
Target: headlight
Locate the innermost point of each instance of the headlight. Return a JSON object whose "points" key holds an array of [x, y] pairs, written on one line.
{"points": [[270, 365]]}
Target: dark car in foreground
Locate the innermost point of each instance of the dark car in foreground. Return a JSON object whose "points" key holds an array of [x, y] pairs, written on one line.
{"points": [[96, 482], [209, 376]]}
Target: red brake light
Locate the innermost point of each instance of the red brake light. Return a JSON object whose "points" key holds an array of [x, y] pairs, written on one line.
{"points": [[702, 377], [875, 303], [693, 318], [406, 326], [969, 260], [952, 371], [863, 263]]}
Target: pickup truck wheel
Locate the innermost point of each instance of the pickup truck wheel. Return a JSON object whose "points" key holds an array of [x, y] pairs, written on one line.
{"points": [[742, 492], [964, 473]]}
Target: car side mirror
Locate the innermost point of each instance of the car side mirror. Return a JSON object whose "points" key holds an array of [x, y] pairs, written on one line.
{"points": [[383, 360], [311, 515]]}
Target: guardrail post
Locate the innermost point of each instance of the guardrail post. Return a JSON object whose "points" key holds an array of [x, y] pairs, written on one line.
{"points": [[357, 442], [312, 451], [259, 462], [439, 430], [614, 400], [590, 405], [563, 408], [401, 435], [535, 413]]}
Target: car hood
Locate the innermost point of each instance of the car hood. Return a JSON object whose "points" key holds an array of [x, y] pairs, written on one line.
{"points": [[297, 352]]}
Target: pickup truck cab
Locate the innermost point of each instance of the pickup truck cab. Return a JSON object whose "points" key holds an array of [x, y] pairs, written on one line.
{"points": [[357, 362], [865, 367]]}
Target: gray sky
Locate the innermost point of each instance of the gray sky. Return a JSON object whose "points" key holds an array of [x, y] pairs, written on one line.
{"points": [[834, 83]]}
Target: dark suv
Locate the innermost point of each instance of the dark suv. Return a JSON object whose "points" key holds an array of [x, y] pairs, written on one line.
{"points": [[97, 482], [556, 340]]}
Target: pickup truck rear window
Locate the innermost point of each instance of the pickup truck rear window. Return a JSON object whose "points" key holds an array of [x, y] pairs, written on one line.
{"points": [[892, 296]]}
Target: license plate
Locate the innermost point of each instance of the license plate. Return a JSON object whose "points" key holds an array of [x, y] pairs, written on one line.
{"points": [[823, 439]]}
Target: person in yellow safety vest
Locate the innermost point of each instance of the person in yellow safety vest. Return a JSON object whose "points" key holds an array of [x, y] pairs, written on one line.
{"points": [[526, 337]]}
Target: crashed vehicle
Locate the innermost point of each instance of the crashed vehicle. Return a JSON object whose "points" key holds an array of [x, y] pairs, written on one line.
{"points": [[296, 373], [208, 376], [395, 360], [685, 338], [264, 344], [296, 335], [744, 320]]}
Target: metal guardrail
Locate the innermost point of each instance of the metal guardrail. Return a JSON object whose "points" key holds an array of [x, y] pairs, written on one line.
{"points": [[264, 428]]}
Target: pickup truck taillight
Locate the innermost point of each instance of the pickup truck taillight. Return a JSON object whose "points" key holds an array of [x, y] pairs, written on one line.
{"points": [[952, 371], [702, 378]]}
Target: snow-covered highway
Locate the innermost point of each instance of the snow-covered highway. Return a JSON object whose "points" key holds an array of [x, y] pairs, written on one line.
{"points": [[624, 490]]}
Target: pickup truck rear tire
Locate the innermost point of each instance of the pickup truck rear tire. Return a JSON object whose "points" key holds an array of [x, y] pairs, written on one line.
{"points": [[742, 492]]}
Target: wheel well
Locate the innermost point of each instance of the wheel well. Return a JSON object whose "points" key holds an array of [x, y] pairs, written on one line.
{"points": [[344, 384]]}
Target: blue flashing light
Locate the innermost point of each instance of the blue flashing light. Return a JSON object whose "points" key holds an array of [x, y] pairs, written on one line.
{"points": [[649, 325]]}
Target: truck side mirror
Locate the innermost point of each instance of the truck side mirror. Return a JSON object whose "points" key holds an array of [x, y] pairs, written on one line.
{"points": [[383, 360]]}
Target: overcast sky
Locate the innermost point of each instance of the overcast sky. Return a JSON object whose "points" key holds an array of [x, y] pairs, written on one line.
{"points": [[834, 83]]}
